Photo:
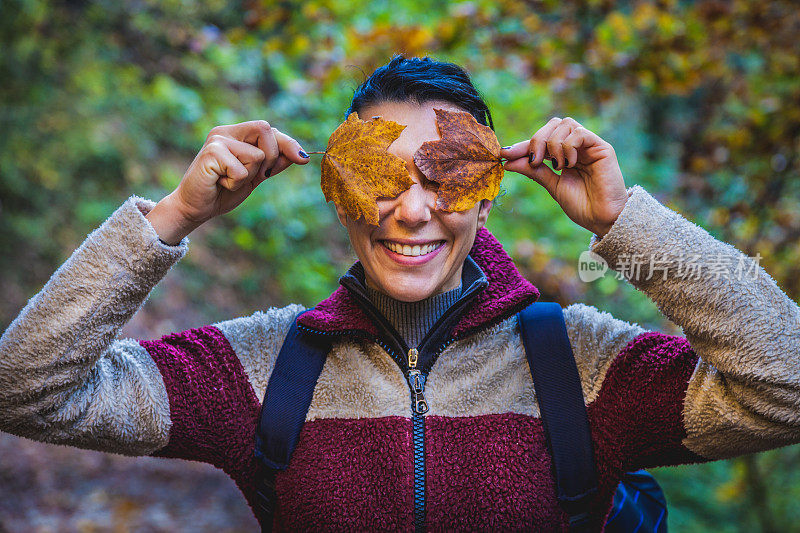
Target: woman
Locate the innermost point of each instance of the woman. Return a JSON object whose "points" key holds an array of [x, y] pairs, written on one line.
{"points": [[732, 386]]}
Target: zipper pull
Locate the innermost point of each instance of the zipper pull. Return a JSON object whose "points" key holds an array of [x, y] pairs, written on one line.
{"points": [[413, 354], [417, 383]]}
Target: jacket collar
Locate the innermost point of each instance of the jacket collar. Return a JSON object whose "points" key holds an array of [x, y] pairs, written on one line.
{"points": [[504, 294], [473, 280]]}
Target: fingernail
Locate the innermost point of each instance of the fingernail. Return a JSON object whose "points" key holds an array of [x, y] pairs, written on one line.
{"points": [[505, 147], [555, 162], [303, 154], [530, 158], [268, 172]]}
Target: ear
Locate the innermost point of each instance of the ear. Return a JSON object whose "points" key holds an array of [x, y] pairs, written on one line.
{"points": [[483, 212], [341, 215]]}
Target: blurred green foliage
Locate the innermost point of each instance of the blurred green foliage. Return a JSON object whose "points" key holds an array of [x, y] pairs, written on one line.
{"points": [[103, 99]]}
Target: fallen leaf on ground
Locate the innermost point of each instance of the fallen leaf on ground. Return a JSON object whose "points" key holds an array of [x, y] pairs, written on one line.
{"points": [[465, 162], [357, 169]]}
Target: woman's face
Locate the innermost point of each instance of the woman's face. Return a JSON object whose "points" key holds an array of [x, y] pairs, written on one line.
{"points": [[417, 251]]}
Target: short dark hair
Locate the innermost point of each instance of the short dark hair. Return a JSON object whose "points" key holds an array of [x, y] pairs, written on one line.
{"points": [[421, 80]]}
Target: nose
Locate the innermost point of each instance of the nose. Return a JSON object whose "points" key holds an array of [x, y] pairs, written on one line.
{"points": [[414, 205]]}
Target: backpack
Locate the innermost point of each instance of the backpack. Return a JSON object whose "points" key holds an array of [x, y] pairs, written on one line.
{"points": [[639, 504]]}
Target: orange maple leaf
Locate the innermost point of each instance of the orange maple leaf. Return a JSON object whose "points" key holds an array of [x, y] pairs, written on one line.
{"points": [[465, 161], [357, 169]]}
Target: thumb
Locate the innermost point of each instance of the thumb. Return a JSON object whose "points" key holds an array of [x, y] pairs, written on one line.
{"points": [[541, 174]]}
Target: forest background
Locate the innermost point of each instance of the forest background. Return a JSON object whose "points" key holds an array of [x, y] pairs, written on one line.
{"points": [[102, 99]]}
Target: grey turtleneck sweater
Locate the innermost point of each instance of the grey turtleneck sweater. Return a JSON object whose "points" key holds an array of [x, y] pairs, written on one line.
{"points": [[413, 319]]}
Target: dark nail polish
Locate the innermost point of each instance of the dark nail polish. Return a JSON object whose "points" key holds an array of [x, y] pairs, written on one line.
{"points": [[268, 172], [530, 158], [555, 162], [303, 154], [505, 147]]}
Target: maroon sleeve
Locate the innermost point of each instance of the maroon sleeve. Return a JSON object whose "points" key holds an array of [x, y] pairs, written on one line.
{"points": [[213, 408], [637, 417]]}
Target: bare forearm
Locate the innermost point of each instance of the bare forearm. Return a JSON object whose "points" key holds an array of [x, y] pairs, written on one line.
{"points": [[167, 221]]}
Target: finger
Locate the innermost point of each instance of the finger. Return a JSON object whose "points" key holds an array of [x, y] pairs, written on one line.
{"points": [[280, 164], [290, 153], [520, 165], [272, 151], [249, 132], [516, 150], [232, 173], [290, 149], [538, 144], [540, 174], [554, 147], [592, 148], [250, 156], [572, 144], [259, 133], [567, 149]]}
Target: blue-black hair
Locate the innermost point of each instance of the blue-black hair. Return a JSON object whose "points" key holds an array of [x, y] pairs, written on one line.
{"points": [[421, 80]]}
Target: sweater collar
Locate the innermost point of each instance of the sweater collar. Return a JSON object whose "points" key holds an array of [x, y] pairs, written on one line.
{"points": [[504, 292]]}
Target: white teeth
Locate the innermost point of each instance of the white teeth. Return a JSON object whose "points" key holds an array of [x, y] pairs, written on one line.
{"points": [[412, 251]]}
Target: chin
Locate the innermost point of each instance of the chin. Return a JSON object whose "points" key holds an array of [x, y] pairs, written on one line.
{"points": [[408, 290], [409, 295]]}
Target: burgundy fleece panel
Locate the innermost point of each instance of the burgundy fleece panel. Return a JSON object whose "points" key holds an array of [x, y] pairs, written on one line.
{"points": [[339, 311], [213, 409], [490, 473], [349, 475], [507, 288], [637, 417]]}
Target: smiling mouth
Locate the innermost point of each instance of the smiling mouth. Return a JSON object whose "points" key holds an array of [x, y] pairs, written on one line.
{"points": [[412, 251]]}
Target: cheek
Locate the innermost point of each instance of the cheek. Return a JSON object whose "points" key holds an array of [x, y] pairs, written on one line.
{"points": [[386, 206], [359, 236], [461, 224]]}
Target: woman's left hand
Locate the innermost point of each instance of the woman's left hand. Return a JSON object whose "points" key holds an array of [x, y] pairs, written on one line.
{"points": [[590, 189]]}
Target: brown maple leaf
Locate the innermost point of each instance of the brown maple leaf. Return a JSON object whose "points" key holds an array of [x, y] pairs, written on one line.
{"points": [[357, 169], [465, 162]]}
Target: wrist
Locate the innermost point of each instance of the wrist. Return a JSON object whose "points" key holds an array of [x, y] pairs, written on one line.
{"points": [[601, 231], [169, 222]]}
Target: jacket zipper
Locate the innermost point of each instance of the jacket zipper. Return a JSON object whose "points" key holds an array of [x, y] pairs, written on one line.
{"points": [[419, 406], [416, 377]]}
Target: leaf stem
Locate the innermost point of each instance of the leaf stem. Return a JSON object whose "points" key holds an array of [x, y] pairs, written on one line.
{"points": [[323, 151]]}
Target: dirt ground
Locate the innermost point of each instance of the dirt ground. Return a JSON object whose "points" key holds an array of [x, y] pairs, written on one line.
{"points": [[49, 488]]}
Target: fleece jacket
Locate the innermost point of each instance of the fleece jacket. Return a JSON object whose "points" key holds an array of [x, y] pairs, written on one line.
{"points": [[730, 386]]}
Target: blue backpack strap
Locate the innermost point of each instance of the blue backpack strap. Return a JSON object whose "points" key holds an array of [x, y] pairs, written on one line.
{"points": [[560, 398], [284, 409]]}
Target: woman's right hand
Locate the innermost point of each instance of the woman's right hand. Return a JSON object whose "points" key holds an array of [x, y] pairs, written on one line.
{"points": [[233, 161]]}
